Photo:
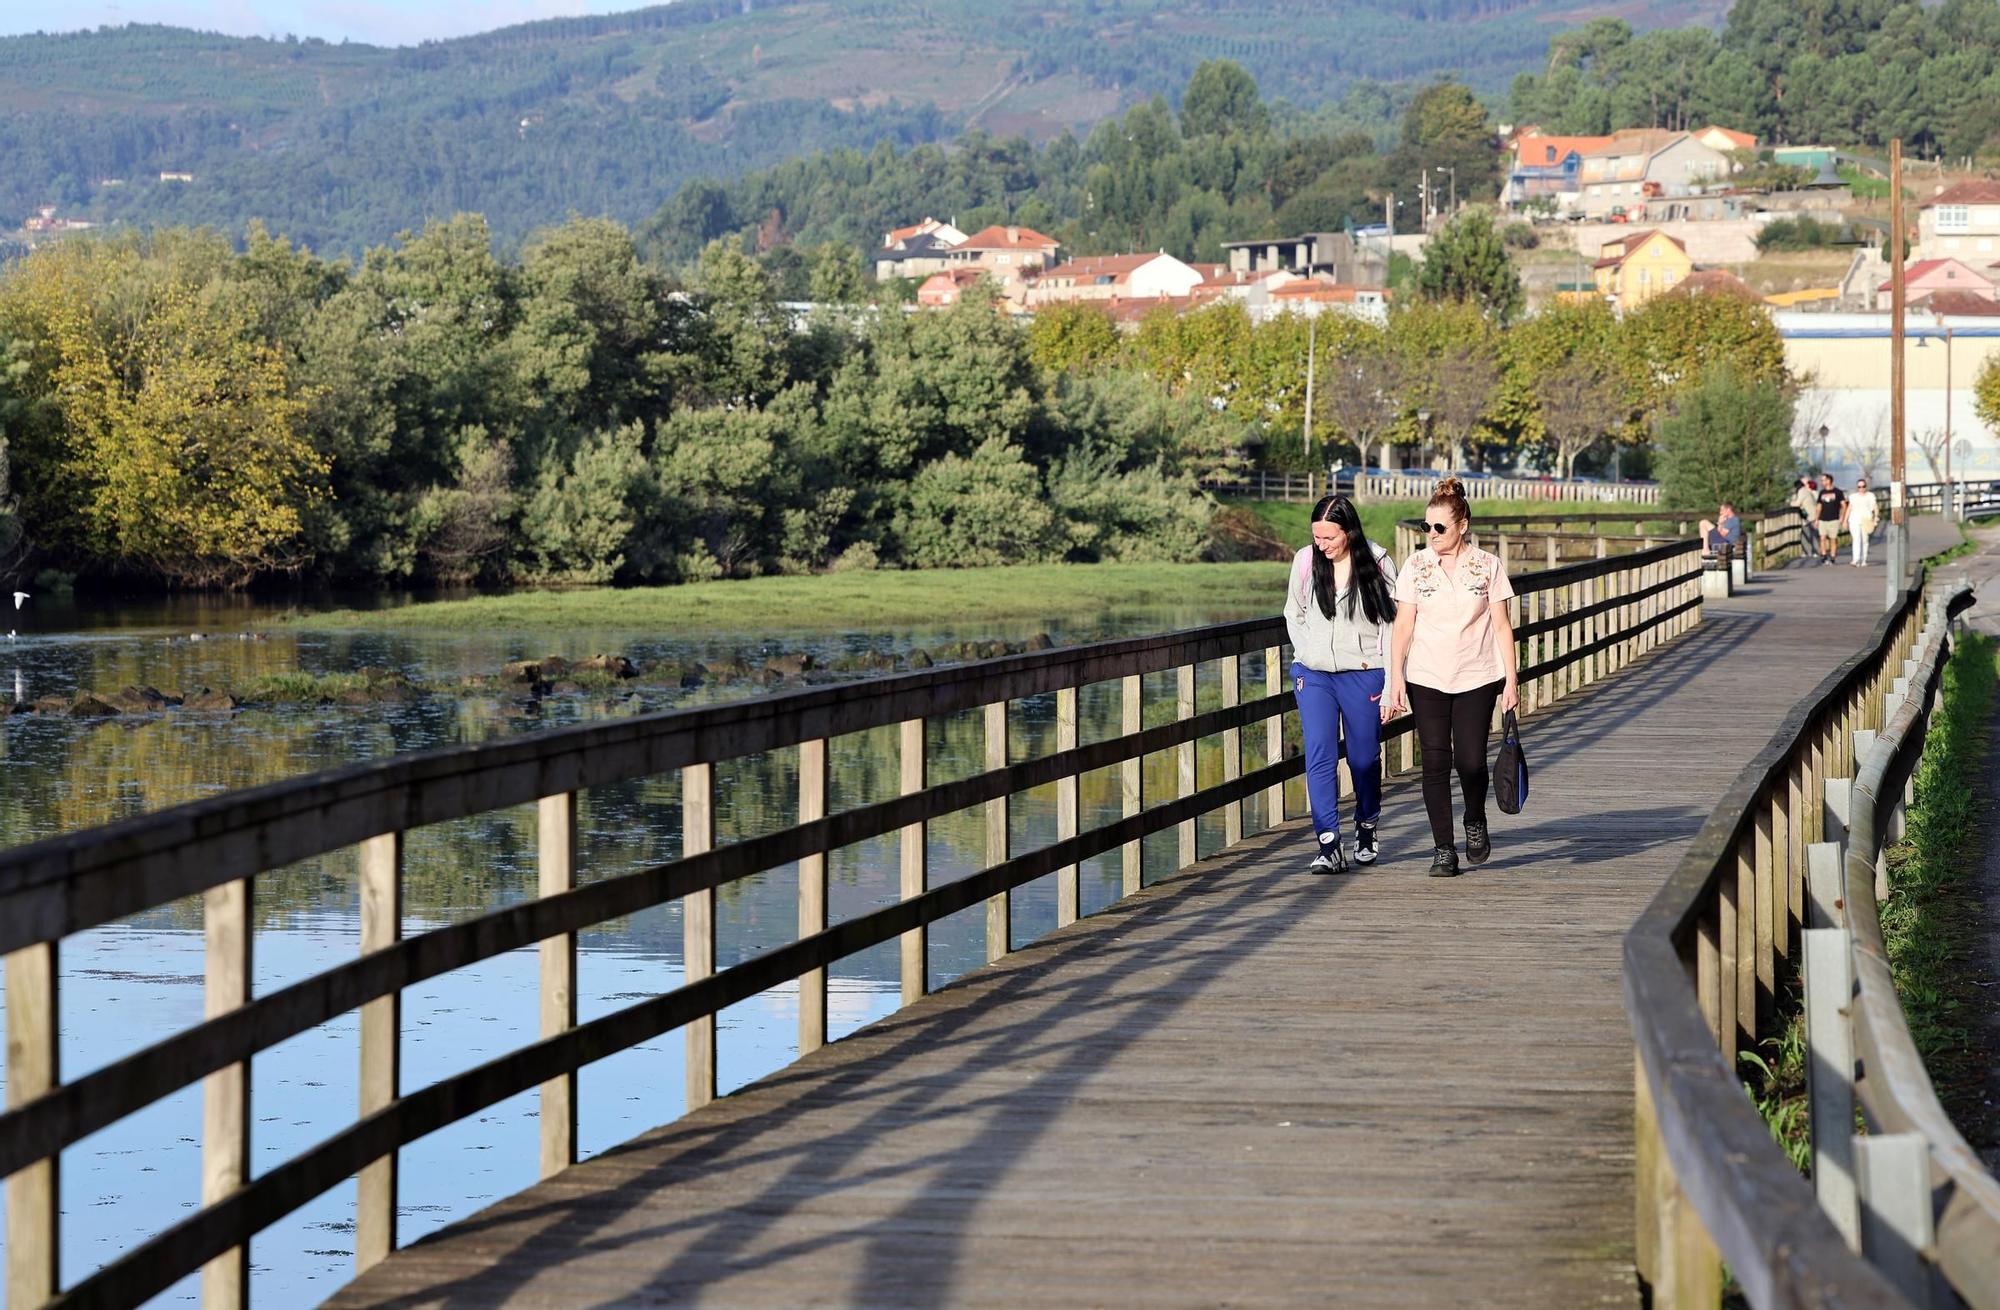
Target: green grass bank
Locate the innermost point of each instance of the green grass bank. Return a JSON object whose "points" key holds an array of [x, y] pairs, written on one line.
{"points": [[861, 599]]}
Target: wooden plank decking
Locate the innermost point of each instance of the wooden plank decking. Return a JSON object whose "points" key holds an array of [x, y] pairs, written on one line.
{"points": [[1244, 1086]]}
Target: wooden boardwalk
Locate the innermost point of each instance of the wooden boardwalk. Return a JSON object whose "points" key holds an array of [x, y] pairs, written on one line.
{"points": [[1244, 1086]]}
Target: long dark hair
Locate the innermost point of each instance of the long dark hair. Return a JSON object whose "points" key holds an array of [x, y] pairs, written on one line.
{"points": [[1369, 584]]}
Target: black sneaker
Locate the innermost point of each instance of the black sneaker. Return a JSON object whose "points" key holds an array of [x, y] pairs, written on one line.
{"points": [[1364, 843], [1478, 844], [1331, 859], [1445, 863]]}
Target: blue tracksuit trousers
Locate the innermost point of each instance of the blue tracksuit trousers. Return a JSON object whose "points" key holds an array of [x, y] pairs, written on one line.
{"points": [[1341, 714]]}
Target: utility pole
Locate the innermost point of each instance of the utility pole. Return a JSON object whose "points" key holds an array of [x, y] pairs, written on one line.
{"points": [[1899, 541], [1312, 340], [1950, 490]]}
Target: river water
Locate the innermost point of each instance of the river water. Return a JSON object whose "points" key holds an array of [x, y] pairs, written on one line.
{"points": [[129, 984]]}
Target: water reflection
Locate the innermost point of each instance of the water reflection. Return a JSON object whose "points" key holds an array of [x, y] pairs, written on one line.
{"points": [[129, 984]]}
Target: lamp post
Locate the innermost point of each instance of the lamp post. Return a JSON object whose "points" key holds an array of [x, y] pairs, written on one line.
{"points": [[1451, 170], [1822, 447]]}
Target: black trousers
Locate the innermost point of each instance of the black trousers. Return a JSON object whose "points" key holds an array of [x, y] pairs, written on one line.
{"points": [[1452, 728]]}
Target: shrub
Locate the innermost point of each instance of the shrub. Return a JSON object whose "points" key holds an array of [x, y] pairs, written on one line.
{"points": [[1727, 439], [1801, 233], [1519, 236]]}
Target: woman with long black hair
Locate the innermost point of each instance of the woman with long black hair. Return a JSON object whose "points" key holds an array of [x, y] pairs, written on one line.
{"points": [[1339, 610]]}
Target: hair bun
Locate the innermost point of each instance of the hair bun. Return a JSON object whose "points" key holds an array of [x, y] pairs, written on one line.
{"points": [[1448, 487]]}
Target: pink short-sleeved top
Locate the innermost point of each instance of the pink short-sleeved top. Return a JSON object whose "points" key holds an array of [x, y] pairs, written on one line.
{"points": [[1454, 647]]}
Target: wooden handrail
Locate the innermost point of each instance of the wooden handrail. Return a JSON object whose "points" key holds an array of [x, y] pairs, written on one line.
{"points": [[1712, 1186], [1896, 1091], [1573, 624]]}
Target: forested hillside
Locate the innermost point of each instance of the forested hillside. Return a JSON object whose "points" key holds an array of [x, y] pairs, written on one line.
{"points": [[341, 146]]}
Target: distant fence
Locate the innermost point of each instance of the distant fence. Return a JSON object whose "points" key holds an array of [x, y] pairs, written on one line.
{"points": [[1419, 487], [1775, 537], [1311, 486], [1574, 625]]}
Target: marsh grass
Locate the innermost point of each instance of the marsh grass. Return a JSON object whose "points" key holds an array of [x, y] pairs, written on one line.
{"points": [[831, 601]]}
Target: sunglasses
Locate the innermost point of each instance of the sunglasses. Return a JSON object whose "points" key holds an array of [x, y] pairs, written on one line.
{"points": [[1437, 528]]}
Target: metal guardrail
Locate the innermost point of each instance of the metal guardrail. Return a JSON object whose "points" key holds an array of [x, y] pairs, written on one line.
{"points": [[1701, 974], [1574, 625]]}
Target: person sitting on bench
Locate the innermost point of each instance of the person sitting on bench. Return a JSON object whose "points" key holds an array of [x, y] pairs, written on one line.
{"points": [[1726, 532]]}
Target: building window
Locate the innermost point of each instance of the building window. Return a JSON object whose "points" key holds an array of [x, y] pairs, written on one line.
{"points": [[1953, 218]]}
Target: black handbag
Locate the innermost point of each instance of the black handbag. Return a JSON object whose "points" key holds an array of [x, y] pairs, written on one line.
{"points": [[1510, 772]]}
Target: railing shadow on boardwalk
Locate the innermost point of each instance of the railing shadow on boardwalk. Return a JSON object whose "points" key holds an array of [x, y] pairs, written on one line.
{"points": [[1068, 981]]}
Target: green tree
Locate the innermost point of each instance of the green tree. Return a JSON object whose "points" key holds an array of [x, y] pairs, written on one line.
{"points": [[1678, 337], [1221, 98], [1073, 337], [1986, 392], [579, 519], [1728, 437], [186, 439], [968, 511], [1466, 261]]}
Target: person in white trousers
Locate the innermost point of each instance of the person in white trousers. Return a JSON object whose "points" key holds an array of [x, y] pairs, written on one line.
{"points": [[1863, 514]]}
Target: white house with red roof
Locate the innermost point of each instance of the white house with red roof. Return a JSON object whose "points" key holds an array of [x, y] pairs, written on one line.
{"points": [[1007, 252], [1961, 221], [1113, 277], [1725, 139], [915, 251], [945, 234], [1927, 277]]}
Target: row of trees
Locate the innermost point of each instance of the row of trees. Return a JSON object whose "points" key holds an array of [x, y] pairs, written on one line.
{"points": [[1444, 371], [1845, 71], [175, 408]]}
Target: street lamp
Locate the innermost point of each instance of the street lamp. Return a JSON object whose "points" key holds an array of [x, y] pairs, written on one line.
{"points": [[1822, 447]]}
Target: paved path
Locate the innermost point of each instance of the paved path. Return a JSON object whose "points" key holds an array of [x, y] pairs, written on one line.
{"points": [[1243, 1087]]}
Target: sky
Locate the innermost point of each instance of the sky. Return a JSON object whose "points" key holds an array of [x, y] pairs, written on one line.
{"points": [[380, 22]]}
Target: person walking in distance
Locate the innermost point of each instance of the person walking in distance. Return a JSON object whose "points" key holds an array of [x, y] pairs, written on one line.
{"points": [[1832, 511], [1805, 499], [1451, 657], [1864, 513], [1338, 610]]}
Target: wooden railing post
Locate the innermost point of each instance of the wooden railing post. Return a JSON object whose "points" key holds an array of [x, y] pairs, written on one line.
{"points": [[1274, 735], [912, 839], [34, 1194], [1770, 911], [1748, 904], [999, 907], [555, 863], [1132, 780], [228, 936], [812, 893], [381, 1047], [1069, 895], [1232, 748], [698, 928], [1185, 758]]}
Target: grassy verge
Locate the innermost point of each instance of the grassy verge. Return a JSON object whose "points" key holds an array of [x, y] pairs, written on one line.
{"points": [[838, 600], [1929, 921]]}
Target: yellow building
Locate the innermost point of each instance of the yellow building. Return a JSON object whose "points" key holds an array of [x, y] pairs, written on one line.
{"points": [[1633, 269]]}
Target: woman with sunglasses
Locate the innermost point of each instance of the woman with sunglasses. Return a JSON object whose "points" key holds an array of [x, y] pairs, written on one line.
{"points": [[1338, 611], [1451, 658]]}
